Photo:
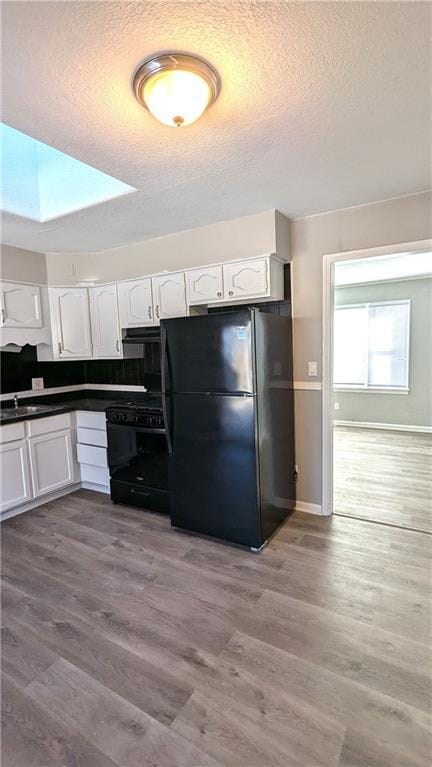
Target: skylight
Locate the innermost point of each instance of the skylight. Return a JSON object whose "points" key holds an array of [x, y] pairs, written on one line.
{"points": [[40, 183]]}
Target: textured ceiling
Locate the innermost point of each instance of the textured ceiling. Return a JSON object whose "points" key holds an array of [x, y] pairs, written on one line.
{"points": [[323, 106]]}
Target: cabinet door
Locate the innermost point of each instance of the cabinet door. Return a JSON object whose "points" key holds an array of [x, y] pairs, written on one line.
{"points": [[105, 328], [204, 285], [15, 473], [51, 460], [169, 296], [135, 303], [249, 279], [20, 306], [71, 322]]}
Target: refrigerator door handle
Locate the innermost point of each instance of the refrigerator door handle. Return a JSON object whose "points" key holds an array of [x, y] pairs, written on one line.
{"points": [[164, 363]]}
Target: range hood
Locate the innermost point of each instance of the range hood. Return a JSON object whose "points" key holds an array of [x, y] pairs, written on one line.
{"points": [[135, 339], [141, 335]]}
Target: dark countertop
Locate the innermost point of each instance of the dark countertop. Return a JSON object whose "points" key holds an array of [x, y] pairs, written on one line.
{"points": [[66, 403]]}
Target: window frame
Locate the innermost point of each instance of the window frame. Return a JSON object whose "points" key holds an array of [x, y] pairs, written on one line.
{"points": [[366, 387]]}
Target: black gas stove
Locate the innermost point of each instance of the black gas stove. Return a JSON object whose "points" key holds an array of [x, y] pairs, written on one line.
{"points": [[145, 412], [138, 454]]}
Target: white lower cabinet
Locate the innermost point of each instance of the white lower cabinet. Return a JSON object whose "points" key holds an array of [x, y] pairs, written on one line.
{"points": [[52, 463], [16, 487], [36, 458]]}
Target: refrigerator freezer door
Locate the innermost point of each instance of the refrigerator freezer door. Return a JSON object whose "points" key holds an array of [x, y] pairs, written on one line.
{"points": [[211, 353], [213, 474]]}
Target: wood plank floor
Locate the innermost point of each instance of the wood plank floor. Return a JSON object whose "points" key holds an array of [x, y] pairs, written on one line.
{"points": [[127, 643], [384, 476]]}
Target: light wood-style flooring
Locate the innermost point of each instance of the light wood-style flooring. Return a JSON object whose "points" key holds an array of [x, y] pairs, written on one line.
{"points": [[127, 643], [384, 476]]}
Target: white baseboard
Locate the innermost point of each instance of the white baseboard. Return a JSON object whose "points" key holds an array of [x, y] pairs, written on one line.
{"points": [[40, 501], [114, 387], [286, 503], [309, 508], [53, 496], [97, 488], [385, 426]]}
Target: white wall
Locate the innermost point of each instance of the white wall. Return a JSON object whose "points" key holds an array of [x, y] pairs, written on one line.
{"points": [[23, 265], [256, 235], [405, 219]]}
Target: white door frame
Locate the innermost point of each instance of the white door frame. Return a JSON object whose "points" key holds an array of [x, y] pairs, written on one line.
{"points": [[327, 349]]}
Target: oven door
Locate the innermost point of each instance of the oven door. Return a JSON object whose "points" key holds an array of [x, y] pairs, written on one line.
{"points": [[138, 463]]}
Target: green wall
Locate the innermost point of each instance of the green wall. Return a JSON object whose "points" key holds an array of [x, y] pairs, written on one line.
{"points": [[414, 408]]}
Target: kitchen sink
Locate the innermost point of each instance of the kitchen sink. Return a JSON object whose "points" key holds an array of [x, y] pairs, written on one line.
{"points": [[17, 412]]}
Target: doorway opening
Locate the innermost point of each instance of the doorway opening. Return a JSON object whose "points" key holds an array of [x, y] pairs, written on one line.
{"points": [[377, 386]]}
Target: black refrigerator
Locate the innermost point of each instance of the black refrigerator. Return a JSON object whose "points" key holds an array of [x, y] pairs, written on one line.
{"points": [[228, 406]]}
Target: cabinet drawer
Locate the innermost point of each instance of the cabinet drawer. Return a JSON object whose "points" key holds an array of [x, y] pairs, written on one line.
{"points": [[95, 474], [95, 456], [95, 437], [91, 419], [12, 431], [46, 425]]}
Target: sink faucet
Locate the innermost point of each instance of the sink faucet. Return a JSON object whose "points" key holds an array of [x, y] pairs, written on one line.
{"points": [[15, 400]]}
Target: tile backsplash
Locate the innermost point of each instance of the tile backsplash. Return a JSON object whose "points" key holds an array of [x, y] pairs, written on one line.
{"points": [[18, 368]]}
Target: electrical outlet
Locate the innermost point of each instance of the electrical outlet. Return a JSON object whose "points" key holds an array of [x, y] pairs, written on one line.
{"points": [[312, 369], [336, 405], [37, 384]]}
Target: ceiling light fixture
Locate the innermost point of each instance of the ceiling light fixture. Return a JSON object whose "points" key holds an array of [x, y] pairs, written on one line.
{"points": [[176, 87]]}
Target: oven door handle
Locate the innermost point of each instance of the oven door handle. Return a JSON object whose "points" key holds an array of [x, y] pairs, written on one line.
{"points": [[164, 363]]}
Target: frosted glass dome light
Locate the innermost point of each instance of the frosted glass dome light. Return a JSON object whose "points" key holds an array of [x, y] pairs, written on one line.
{"points": [[176, 88]]}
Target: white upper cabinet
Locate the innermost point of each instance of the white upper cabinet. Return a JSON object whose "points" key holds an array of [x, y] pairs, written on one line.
{"points": [[169, 296], [135, 303], [204, 285], [87, 322], [20, 306], [257, 279], [70, 319], [104, 316], [247, 279]]}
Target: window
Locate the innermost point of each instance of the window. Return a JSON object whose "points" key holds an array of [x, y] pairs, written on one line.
{"points": [[371, 345], [41, 183]]}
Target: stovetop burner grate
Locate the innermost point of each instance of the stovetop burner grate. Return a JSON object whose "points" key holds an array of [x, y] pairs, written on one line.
{"points": [[149, 403]]}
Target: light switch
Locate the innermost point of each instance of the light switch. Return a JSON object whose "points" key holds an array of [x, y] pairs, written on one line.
{"points": [[37, 384], [336, 405], [312, 369]]}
